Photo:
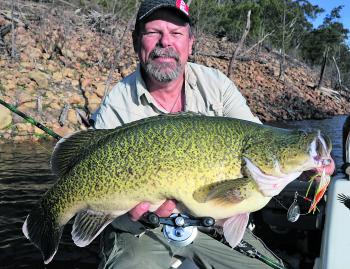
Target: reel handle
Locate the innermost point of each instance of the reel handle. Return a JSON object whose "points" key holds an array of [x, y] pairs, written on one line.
{"points": [[152, 220]]}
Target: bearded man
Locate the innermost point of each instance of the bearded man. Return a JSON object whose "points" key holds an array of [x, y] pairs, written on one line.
{"points": [[165, 82]]}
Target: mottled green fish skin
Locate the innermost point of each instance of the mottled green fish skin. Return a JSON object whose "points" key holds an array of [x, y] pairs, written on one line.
{"points": [[171, 156]]}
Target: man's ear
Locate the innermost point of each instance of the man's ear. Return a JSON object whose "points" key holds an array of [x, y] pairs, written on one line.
{"points": [[135, 40]]}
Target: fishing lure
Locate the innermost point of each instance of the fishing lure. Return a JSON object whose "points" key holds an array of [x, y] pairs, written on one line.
{"points": [[320, 191]]}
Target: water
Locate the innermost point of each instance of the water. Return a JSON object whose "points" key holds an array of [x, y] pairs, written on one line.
{"points": [[333, 127], [25, 176]]}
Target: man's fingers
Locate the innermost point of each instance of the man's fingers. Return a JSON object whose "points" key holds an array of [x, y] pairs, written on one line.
{"points": [[163, 211], [166, 208], [137, 212]]}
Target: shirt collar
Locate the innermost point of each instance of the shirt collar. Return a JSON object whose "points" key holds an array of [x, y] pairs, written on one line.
{"points": [[141, 88], [190, 77]]}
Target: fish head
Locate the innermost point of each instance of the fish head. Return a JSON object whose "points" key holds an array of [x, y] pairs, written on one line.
{"points": [[283, 152]]}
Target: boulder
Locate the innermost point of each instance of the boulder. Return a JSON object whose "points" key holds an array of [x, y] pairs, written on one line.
{"points": [[5, 117], [55, 105], [10, 84], [75, 82], [24, 128], [23, 97], [69, 73], [40, 78], [94, 102], [27, 107], [57, 76], [63, 130], [76, 99], [100, 89], [72, 116]]}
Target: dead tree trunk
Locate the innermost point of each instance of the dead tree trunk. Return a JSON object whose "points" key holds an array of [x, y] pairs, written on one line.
{"points": [[324, 62], [239, 46], [339, 82], [283, 52]]}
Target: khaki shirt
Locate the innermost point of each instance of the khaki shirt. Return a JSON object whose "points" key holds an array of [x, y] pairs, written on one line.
{"points": [[207, 91]]}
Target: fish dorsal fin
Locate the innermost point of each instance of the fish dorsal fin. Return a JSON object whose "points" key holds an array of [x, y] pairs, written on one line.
{"points": [[70, 150], [234, 228], [88, 225], [228, 191]]}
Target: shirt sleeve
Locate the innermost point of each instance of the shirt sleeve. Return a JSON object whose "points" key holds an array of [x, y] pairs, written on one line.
{"points": [[105, 116], [234, 104]]}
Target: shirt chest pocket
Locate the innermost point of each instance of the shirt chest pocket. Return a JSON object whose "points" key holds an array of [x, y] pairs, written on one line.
{"points": [[216, 109]]}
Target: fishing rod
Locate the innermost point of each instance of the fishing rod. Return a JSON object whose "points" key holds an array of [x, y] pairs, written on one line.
{"points": [[181, 229], [30, 120]]}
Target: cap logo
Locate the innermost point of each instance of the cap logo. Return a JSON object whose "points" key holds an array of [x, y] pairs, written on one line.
{"points": [[180, 4]]}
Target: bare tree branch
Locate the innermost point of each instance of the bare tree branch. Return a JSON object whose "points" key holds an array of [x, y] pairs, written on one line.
{"points": [[240, 44], [256, 44], [338, 72]]}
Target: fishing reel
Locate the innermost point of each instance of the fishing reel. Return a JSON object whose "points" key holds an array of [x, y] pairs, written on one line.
{"points": [[179, 229]]}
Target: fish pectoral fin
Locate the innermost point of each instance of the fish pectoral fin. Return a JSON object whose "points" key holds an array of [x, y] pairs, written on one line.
{"points": [[234, 228], [228, 191], [88, 225]]}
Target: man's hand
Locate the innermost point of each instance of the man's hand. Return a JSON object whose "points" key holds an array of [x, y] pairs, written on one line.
{"points": [[163, 211]]}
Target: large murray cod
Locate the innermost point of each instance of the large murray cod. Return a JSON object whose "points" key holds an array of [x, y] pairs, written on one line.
{"points": [[213, 166]]}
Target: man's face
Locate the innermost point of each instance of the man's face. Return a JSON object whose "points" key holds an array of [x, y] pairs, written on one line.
{"points": [[164, 46]]}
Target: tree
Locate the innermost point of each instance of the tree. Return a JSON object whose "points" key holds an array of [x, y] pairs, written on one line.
{"points": [[330, 33]]}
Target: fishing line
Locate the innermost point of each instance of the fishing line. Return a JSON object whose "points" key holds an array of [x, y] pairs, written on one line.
{"points": [[40, 145], [293, 211]]}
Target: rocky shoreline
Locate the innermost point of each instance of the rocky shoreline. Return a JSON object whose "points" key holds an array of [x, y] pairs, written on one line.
{"points": [[62, 70]]}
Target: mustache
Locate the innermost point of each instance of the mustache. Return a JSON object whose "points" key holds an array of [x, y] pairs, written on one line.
{"points": [[164, 52]]}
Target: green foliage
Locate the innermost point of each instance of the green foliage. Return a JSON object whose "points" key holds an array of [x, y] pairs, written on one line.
{"points": [[229, 18], [122, 8], [331, 34], [286, 22]]}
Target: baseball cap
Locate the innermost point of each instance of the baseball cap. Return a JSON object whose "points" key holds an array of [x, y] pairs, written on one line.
{"points": [[147, 7]]}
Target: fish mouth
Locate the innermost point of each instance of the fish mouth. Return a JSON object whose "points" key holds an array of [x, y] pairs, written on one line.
{"points": [[320, 150], [269, 185]]}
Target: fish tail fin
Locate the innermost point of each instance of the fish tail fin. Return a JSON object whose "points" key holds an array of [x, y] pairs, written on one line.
{"points": [[43, 231]]}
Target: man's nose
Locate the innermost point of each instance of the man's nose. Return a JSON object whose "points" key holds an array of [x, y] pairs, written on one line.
{"points": [[165, 40]]}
